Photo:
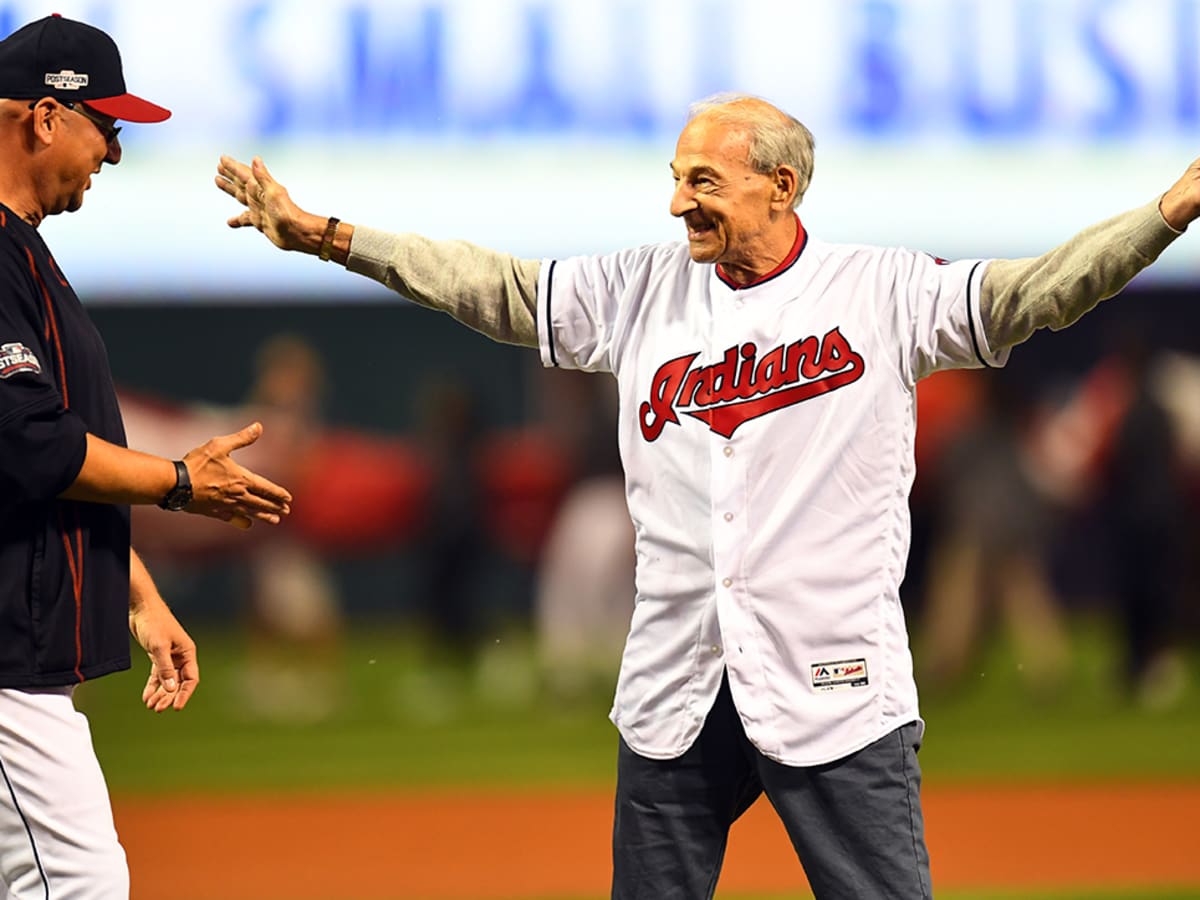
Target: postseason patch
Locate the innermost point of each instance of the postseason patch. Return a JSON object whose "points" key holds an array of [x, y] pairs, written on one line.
{"points": [[67, 80], [834, 676], [16, 358]]}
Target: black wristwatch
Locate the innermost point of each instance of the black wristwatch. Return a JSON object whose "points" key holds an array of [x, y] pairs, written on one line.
{"points": [[181, 495]]}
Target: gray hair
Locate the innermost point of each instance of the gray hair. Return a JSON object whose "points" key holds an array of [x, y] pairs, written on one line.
{"points": [[776, 139]]}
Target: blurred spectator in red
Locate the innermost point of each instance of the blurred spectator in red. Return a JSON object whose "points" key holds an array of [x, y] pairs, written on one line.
{"points": [[452, 542], [355, 490], [585, 581], [1143, 497], [291, 670], [470, 506], [1113, 455], [948, 404], [988, 555]]}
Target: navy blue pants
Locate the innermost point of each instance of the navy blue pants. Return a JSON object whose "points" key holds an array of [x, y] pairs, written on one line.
{"points": [[855, 823]]}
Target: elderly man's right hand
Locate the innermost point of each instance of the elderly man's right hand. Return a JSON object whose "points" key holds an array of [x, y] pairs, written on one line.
{"points": [[223, 489]]}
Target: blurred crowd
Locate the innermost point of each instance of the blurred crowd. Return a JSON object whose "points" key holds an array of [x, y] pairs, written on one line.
{"points": [[1036, 501]]}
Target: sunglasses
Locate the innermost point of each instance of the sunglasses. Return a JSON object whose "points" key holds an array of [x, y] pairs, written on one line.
{"points": [[107, 129]]}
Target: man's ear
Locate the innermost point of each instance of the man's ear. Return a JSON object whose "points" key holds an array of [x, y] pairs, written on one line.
{"points": [[46, 120], [786, 183]]}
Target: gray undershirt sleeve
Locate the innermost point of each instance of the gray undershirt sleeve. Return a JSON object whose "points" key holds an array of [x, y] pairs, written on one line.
{"points": [[494, 293], [1019, 296]]}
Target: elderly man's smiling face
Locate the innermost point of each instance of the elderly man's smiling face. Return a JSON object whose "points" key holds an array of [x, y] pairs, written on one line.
{"points": [[726, 205]]}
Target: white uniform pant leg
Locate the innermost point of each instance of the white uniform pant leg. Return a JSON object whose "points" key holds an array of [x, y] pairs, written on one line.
{"points": [[57, 838]]}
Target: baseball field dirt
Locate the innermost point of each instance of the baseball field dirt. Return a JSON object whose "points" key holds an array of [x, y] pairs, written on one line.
{"points": [[498, 845]]}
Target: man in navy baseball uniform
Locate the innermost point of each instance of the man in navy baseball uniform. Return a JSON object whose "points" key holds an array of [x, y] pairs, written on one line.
{"points": [[767, 383], [71, 586]]}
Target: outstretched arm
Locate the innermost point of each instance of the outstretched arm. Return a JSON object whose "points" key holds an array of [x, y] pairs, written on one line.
{"points": [[174, 672], [221, 488], [1019, 296], [494, 293]]}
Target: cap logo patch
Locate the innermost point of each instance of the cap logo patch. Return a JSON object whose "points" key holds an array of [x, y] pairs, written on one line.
{"points": [[16, 358], [67, 80]]}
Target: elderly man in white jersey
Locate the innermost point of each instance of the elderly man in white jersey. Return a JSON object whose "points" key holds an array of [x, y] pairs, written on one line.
{"points": [[767, 413]]}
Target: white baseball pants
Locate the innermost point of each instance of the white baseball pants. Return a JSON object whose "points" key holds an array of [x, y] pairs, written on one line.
{"points": [[57, 838]]}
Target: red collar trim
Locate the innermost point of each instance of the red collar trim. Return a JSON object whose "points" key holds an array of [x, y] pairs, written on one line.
{"points": [[793, 255]]}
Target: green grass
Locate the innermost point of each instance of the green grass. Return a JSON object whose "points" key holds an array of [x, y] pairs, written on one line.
{"points": [[1089, 728], [399, 722], [404, 723]]}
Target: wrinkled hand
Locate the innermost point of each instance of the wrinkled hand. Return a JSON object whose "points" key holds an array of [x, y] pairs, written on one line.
{"points": [[269, 208], [174, 672], [225, 490], [1180, 205]]}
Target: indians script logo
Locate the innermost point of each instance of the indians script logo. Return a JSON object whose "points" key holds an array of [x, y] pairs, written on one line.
{"points": [[743, 386]]}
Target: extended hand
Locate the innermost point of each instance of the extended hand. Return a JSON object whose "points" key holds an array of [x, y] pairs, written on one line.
{"points": [[269, 208], [225, 490], [1181, 204]]}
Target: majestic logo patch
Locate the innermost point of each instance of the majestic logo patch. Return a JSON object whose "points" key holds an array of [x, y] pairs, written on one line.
{"points": [[743, 387], [16, 358], [845, 673], [67, 80]]}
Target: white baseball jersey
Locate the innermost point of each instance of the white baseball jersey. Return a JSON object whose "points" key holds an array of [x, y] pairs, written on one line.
{"points": [[767, 438]]}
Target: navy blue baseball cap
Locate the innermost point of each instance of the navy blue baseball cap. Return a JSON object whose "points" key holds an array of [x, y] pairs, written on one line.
{"points": [[70, 61]]}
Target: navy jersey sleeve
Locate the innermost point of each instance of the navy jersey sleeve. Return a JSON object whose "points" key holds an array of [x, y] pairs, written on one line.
{"points": [[42, 443]]}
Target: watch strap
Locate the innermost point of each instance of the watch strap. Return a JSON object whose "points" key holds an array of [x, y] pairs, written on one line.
{"points": [[180, 495]]}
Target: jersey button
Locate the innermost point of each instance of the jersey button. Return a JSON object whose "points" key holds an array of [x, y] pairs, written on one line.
{"points": [[728, 582], [728, 517], [715, 649], [728, 451]]}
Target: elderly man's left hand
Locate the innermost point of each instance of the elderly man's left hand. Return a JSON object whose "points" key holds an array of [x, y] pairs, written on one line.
{"points": [[269, 207]]}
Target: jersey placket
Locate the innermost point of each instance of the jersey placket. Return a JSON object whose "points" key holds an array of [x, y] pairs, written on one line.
{"points": [[729, 461]]}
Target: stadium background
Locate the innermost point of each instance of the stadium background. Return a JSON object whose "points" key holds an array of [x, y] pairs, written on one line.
{"points": [[391, 753]]}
